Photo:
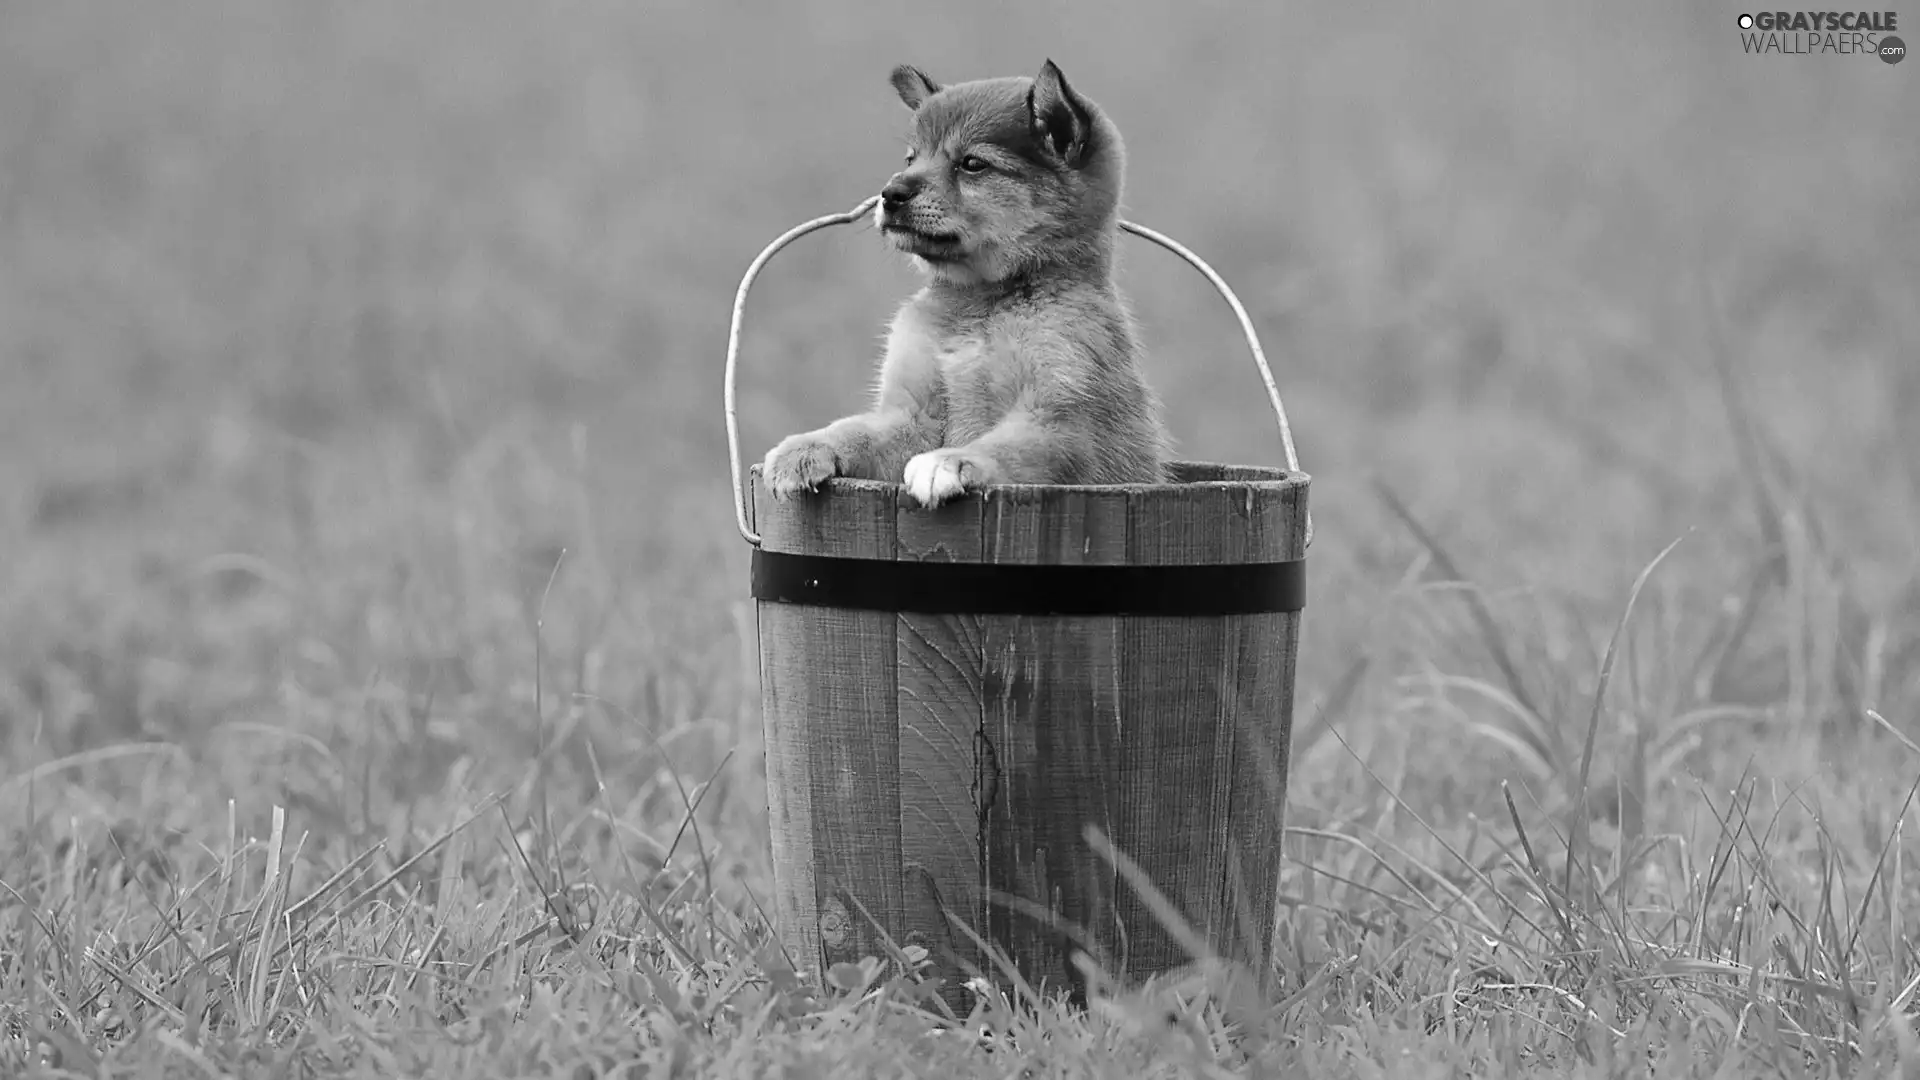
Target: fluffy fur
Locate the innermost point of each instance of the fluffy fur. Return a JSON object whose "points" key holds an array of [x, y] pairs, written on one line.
{"points": [[1018, 361]]}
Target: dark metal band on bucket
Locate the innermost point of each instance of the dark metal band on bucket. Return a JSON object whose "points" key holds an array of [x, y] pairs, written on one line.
{"points": [[945, 588]]}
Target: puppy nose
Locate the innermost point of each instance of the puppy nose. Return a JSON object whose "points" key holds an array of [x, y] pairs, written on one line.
{"points": [[899, 191]]}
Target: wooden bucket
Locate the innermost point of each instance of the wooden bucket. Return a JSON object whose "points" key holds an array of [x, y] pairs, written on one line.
{"points": [[961, 702]]}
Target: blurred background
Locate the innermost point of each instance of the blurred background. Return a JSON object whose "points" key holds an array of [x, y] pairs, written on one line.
{"points": [[325, 327]]}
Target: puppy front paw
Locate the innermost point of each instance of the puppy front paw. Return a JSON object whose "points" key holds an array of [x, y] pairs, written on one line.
{"points": [[939, 475], [800, 463]]}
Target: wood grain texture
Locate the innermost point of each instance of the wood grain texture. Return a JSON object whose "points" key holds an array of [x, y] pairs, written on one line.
{"points": [[833, 779], [1202, 524], [1173, 771], [1054, 526], [943, 784], [946, 533], [942, 788], [1207, 472], [786, 696], [1051, 687], [832, 734], [789, 795], [1052, 694], [850, 518], [1275, 522], [927, 762], [1260, 726], [853, 757], [1180, 698]]}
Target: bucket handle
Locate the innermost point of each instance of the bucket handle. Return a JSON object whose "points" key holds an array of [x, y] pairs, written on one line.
{"points": [[859, 212]]}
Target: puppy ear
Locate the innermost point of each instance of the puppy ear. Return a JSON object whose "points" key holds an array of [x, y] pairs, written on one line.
{"points": [[913, 85], [1059, 116]]}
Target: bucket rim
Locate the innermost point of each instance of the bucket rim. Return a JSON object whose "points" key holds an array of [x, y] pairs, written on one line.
{"points": [[1279, 479]]}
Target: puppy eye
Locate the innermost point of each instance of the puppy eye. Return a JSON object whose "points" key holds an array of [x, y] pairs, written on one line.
{"points": [[973, 164], [911, 154]]}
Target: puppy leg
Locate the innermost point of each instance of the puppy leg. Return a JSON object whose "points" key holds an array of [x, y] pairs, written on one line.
{"points": [[869, 446], [1024, 448], [908, 416]]}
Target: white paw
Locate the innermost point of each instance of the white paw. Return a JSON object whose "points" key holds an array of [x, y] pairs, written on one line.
{"points": [[938, 475], [799, 463]]}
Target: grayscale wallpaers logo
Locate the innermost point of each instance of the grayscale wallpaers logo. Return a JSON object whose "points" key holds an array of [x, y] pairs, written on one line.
{"points": [[1809, 33]]}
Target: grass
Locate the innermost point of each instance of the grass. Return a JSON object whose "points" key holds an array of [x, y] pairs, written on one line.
{"points": [[378, 693]]}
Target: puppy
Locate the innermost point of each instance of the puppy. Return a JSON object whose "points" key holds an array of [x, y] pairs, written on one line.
{"points": [[1018, 362]]}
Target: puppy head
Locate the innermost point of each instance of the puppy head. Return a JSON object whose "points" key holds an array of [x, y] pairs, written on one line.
{"points": [[1003, 177]]}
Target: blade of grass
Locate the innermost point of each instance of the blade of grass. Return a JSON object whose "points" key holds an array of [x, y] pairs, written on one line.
{"points": [[1569, 939], [1578, 834]]}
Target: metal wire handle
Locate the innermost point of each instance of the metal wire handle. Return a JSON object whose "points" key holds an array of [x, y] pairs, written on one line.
{"points": [[859, 212]]}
